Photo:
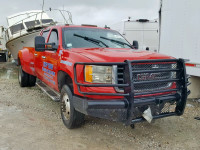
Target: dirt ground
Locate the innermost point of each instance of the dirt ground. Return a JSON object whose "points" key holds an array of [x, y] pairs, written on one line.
{"points": [[30, 120]]}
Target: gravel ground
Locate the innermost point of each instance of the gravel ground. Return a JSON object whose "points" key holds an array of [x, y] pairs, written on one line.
{"points": [[31, 120]]}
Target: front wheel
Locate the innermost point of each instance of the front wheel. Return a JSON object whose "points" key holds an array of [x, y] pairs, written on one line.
{"points": [[71, 118]]}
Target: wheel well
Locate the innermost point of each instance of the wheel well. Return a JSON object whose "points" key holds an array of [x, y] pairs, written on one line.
{"points": [[64, 78], [19, 63]]}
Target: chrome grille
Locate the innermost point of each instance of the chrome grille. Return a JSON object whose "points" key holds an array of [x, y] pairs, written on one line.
{"points": [[138, 76]]}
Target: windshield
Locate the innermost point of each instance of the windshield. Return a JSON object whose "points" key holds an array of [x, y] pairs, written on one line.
{"points": [[92, 38]]}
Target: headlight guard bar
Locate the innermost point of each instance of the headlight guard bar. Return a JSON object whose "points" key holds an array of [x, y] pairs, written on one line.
{"points": [[181, 92], [129, 75]]}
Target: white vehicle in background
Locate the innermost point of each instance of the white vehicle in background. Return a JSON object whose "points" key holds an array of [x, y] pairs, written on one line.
{"points": [[3, 51], [145, 31], [180, 36]]}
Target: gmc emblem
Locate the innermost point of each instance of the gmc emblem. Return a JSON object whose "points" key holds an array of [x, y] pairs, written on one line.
{"points": [[146, 76]]}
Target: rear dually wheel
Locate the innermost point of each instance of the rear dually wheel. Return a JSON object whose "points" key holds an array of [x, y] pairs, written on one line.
{"points": [[25, 79], [22, 77]]}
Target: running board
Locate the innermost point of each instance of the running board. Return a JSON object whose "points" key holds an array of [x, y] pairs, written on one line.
{"points": [[55, 96]]}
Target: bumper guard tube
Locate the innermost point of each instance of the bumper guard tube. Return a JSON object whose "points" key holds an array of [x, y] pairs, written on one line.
{"points": [[129, 109]]}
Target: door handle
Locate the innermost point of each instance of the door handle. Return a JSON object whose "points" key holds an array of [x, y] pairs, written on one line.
{"points": [[35, 54], [43, 57]]}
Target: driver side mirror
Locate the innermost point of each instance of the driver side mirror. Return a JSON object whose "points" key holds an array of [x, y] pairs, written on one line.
{"points": [[135, 44], [41, 46]]}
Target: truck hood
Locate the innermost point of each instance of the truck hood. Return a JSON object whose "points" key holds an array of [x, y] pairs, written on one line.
{"points": [[118, 55]]}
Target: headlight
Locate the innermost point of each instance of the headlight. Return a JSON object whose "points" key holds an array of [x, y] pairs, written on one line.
{"points": [[98, 74]]}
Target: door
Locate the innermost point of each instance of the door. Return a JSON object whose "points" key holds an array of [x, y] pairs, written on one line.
{"points": [[39, 58], [50, 62]]}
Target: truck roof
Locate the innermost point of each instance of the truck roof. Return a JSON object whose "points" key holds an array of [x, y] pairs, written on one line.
{"points": [[77, 26]]}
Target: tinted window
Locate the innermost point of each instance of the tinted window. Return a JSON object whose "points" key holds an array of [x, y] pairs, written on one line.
{"points": [[16, 28], [46, 21], [45, 34], [53, 37], [92, 38], [32, 23]]}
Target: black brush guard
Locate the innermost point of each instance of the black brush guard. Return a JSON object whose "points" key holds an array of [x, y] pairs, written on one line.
{"points": [[133, 100]]}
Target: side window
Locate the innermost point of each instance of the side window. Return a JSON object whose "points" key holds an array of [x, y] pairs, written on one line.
{"points": [[45, 34], [53, 37], [16, 28]]}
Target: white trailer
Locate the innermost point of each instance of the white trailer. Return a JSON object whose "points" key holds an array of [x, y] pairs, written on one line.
{"points": [[145, 31], [180, 35]]}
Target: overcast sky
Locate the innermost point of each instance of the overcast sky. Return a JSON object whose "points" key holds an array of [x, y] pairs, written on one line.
{"points": [[99, 12]]}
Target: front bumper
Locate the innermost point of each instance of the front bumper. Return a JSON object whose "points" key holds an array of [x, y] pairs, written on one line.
{"points": [[116, 110], [130, 109]]}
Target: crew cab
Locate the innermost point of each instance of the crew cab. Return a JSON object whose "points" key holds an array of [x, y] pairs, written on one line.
{"points": [[95, 71]]}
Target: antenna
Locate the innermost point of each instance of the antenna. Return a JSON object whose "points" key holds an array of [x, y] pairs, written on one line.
{"points": [[42, 8], [42, 5]]}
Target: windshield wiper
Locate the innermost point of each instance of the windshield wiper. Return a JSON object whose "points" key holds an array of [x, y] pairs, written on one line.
{"points": [[95, 41], [115, 41]]}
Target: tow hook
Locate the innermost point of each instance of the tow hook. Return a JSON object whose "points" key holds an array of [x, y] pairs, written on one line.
{"points": [[132, 126]]}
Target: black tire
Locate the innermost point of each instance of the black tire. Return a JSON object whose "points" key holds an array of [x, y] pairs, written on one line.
{"points": [[32, 80], [5, 57], [23, 77], [70, 117]]}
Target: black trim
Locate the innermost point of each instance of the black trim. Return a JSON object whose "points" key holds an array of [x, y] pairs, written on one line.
{"points": [[154, 117], [156, 100], [184, 91], [118, 109], [155, 92]]}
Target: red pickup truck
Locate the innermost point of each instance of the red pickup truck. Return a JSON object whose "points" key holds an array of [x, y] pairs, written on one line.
{"points": [[95, 71]]}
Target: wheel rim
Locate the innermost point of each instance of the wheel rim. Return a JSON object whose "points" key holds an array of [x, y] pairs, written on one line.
{"points": [[66, 106], [20, 73]]}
